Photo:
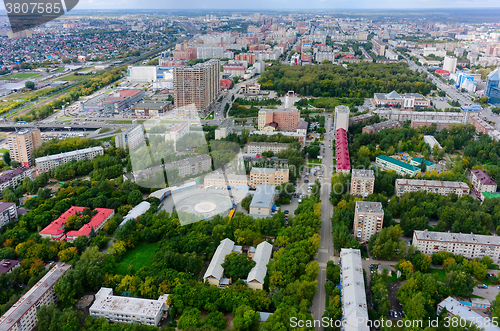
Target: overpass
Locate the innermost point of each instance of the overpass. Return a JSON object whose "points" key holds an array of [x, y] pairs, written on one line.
{"points": [[8, 126]]}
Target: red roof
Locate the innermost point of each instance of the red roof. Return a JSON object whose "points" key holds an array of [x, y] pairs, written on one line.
{"points": [[225, 83], [55, 229], [342, 150], [439, 71]]}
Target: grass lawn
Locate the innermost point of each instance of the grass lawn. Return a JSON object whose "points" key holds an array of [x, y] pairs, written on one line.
{"points": [[440, 272], [25, 75], [74, 77], [3, 150], [107, 139], [314, 160], [141, 255]]}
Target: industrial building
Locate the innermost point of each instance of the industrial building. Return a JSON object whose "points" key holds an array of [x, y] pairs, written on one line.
{"points": [[353, 292], [22, 315], [362, 182], [368, 219], [46, 163], [263, 200], [402, 168], [128, 309], [468, 245], [120, 100], [22, 143], [270, 176], [197, 85], [431, 186]]}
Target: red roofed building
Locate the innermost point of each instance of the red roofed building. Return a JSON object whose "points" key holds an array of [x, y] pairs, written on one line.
{"points": [[482, 182], [342, 152], [55, 230], [225, 83], [442, 72]]}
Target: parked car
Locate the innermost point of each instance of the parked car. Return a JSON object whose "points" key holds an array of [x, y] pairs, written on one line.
{"points": [[286, 212]]}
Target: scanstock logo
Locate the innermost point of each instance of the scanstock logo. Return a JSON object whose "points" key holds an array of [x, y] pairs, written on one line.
{"points": [[27, 14]]}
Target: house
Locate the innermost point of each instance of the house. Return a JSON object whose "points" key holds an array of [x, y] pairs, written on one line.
{"points": [[255, 279]]}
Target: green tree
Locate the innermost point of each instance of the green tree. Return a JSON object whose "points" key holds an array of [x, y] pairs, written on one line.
{"points": [[6, 158], [237, 266], [29, 85], [215, 319], [134, 197], [190, 317], [245, 319]]}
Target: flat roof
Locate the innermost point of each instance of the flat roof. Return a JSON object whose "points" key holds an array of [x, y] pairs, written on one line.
{"points": [[363, 174], [369, 207], [22, 305], [467, 238], [419, 160], [105, 300], [267, 170], [455, 308], [69, 154], [398, 162], [263, 196], [432, 183]]}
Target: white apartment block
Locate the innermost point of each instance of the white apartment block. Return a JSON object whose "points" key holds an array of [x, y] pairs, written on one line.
{"points": [[225, 128], [270, 176], [127, 309], [15, 177], [390, 55], [224, 180], [8, 212], [466, 244], [46, 163], [177, 132], [22, 315], [368, 219], [322, 56], [362, 182], [133, 138], [341, 119], [191, 166], [354, 308], [259, 148], [431, 186], [209, 52]]}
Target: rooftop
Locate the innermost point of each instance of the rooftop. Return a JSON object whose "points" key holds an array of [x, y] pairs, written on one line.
{"points": [[455, 308], [483, 177], [397, 162], [261, 258], [467, 238], [152, 104], [419, 160], [342, 109], [215, 269], [268, 170], [365, 207], [7, 265], [432, 183], [263, 196], [363, 174], [69, 154], [9, 175]]}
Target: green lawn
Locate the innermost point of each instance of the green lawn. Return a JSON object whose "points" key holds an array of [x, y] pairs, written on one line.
{"points": [[439, 272], [74, 77], [25, 75], [141, 255], [3, 150]]}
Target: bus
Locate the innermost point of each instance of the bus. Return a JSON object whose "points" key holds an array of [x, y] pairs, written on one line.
{"points": [[231, 213]]}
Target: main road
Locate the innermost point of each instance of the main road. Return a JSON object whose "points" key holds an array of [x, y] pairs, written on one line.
{"points": [[325, 252]]}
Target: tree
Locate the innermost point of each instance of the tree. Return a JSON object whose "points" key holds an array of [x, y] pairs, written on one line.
{"points": [[245, 203], [134, 197], [216, 319], [495, 307], [245, 319], [6, 158], [405, 267], [68, 254], [190, 317], [458, 283], [81, 243], [237, 266], [29, 85]]}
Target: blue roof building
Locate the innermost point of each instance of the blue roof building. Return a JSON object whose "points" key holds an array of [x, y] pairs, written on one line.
{"points": [[492, 89]]}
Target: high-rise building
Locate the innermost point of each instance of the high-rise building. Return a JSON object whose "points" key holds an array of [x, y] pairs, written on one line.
{"points": [[278, 120], [341, 119], [22, 144], [368, 219], [492, 89], [450, 64], [362, 182], [378, 47], [198, 85]]}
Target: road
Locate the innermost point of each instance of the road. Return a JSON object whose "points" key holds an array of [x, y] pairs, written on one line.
{"points": [[325, 252], [219, 108]]}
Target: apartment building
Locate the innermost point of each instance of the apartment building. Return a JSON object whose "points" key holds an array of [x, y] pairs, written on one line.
{"points": [[198, 85], [431, 186], [368, 219], [177, 132], [360, 118], [362, 182], [378, 47], [22, 144], [56, 229], [341, 117], [402, 168], [222, 180], [8, 212], [278, 119], [270, 176], [353, 292], [261, 147], [343, 163], [390, 55], [128, 309], [468, 245], [234, 69], [440, 124], [7, 265], [377, 127], [133, 138], [15, 177], [191, 166], [481, 181], [224, 129], [22, 315], [263, 200], [408, 115], [46, 163]]}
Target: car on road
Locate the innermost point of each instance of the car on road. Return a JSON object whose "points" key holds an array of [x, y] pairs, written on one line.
{"points": [[286, 212]]}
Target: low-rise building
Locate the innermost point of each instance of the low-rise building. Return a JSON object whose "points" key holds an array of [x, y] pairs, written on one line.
{"points": [[45, 163], [224, 129], [402, 168], [343, 163], [431, 186], [8, 212], [362, 182], [15, 177], [128, 309], [368, 219], [215, 271], [177, 132], [481, 181], [405, 101], [270, 176], [263, 200], [7, 265], [191, 166], [153, 108], [22, 315], [431, 141], [261, 147], [456, 308], [360, 118], [262, 255], [226, 180], [468, 245], [354, 308], [429, 165], [121, 100], [248, 89], [56, 229], [408, 115], [377, 127]]}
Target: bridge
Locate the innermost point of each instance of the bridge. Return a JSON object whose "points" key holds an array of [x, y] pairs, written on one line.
{"points": [[8, 126]]}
